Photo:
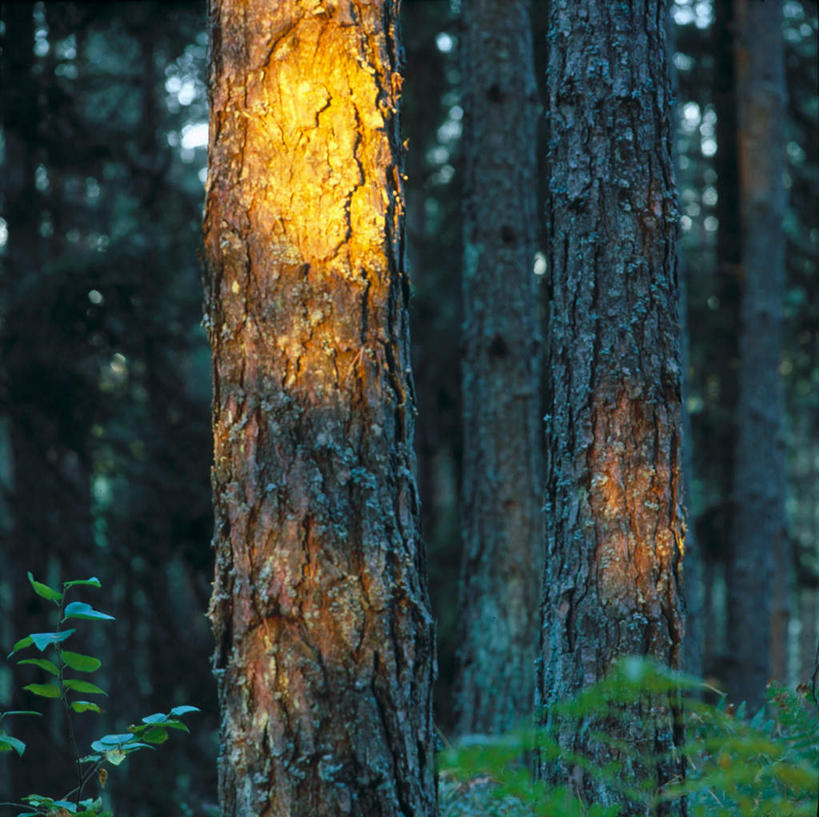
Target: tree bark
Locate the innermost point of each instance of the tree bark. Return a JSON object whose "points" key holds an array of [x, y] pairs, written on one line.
{"points": [[759, 476], [615, 531], [501, 504], [324, 654], [692, 565]]}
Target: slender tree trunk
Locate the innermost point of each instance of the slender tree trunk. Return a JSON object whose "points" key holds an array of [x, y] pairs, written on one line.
{"points": [[614, 522], [759, 476], [809, 592], [324, 654], [692, 566], [808, 641], [501, 504]]}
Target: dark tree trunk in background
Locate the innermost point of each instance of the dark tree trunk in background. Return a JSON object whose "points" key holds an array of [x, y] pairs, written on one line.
{"points": [[324, 653], [44, 403], [693, 563], [721, 434], [759, 476], [502, 483], [614, 522]]}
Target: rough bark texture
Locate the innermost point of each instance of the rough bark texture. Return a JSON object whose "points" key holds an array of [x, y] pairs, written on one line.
{"points": [[324, 653], [614, 523], [759, 477], [502, 483]]}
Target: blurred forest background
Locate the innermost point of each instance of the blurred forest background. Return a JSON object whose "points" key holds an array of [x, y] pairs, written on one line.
{"points": [[105, 374]]}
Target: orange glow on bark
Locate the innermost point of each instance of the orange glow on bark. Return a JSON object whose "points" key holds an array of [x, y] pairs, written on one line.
{"points": [[635, 500]]}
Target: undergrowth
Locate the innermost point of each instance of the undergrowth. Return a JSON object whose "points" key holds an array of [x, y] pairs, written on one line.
{"points": [[65, 680], [737, 765]]}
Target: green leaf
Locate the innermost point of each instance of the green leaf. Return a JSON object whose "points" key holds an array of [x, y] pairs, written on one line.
{"points": [[37, 800], [174, 724], [44, 590], [42, 663], [92, 582], [159, 717], [115, 756], [81, 663], [43, 640], [155, 735], [79, 609], [49, 690], [67, 805], [84, 706], [19, 712], [107, 741], [7, 743], [21, 644], [83, 686], [183, 710]]}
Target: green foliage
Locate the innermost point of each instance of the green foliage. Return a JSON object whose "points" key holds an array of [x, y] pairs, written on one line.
{"points": [[110, 749], [735, 765]]}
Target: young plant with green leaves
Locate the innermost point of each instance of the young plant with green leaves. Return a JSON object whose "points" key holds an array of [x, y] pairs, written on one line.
{"points": [[66, 680], [736, 766]]}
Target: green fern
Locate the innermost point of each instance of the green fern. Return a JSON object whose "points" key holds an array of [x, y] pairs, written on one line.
{"points": [[735, 765]]}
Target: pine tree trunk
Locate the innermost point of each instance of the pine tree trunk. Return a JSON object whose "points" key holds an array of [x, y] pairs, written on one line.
{"points": [[501, 504], [718, 422], [614, 522], [759, 476], [324, 653], [693, 564]]}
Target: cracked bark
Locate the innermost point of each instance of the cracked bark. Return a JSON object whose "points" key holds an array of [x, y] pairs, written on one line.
{"points": [[614, 522], [324, 639], [502, 531]]}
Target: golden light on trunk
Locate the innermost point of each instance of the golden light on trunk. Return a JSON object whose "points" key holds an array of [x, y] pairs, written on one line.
{"points": [[635, 503], [320, 613]]}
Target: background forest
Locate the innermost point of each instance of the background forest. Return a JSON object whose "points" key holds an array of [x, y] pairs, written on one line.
{"points": [[105, 440]]}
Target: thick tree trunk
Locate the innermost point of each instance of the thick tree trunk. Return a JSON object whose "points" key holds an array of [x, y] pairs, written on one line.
{"points": [[614, 522], [502, 483], [759, 476], [324, 652]]}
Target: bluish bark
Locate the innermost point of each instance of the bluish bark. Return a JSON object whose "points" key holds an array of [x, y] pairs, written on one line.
{"points": [[759, 468], [502, 482]]}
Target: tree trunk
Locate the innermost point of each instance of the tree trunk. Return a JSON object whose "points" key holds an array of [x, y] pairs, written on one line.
{"points": [[324, 654], [759, 476], [692, 566], [501, 504], [614, 522]]}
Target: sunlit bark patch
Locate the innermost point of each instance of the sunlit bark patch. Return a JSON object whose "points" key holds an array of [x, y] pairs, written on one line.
{"points": [[635, 507], [319, 607]]}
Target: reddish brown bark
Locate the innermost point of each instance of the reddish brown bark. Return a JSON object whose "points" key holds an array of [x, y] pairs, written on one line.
{"points": [[324, 650]]}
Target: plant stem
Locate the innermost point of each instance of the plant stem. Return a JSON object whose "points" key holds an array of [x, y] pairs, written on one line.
{"points": [[72, 738]]}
